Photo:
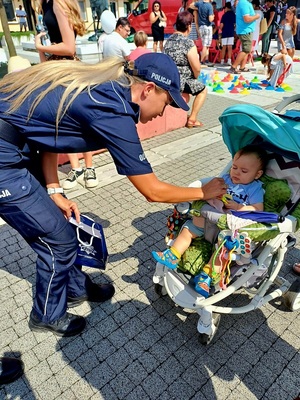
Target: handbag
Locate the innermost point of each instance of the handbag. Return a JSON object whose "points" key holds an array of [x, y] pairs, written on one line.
{"points": [[162, 24], [263, 27], [92, 250]]}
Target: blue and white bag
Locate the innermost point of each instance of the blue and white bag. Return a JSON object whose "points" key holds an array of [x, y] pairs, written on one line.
{"points": [[92, 250]]}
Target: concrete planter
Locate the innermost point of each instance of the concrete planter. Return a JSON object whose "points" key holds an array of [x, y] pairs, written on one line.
{"points": [[17, 40]]}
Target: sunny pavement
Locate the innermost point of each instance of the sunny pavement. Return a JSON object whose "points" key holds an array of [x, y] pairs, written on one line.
{"points": [[140, 346]]}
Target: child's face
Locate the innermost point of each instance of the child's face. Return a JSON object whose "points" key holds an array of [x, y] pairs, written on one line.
{"points": [[245, 169]]}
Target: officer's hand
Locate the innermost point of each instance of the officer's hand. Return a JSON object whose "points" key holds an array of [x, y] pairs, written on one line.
{"points": [[214, 188], [68, 207]]}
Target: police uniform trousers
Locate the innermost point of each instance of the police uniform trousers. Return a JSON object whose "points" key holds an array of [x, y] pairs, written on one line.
{"points": [[26, 206]]}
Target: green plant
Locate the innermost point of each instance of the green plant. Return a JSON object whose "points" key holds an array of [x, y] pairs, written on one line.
{"points": [[18, 34]]}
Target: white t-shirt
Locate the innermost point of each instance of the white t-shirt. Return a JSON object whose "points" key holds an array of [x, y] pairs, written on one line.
{"points": [[115, 45], [101, 41], [257, 28]]}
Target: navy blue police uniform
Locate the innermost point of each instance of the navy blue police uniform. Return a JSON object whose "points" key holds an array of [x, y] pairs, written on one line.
{"points": [[103, 117]]}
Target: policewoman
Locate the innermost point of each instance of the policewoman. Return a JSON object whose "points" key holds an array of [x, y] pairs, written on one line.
{"points": [[64, 107]]}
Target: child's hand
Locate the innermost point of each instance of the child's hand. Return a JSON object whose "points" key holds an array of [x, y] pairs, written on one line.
{"points": [[226, 197], [231, 205]]}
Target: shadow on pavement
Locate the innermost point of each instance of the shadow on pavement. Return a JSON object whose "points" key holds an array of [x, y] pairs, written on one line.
{"points": [[141, 346]]}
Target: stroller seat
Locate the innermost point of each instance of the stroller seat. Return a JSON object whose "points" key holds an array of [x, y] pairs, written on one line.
{"points": [[267, 242]]}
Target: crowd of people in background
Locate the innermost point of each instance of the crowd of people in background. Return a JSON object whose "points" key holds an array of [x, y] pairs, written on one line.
{"points": [[236, 26]]}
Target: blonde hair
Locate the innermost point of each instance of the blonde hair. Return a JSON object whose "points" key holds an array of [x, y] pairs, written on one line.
{"points": [[72, 11], [294, 24], [75, 77], [140, 38]]}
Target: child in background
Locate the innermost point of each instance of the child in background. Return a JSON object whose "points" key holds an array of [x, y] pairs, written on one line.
{"points": [[227, 27], [140, 40], [276, 66], [246, 194]]}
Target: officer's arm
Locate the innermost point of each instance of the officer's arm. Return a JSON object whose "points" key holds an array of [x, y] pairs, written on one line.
{"points": [[49, 167], [155, 190]]}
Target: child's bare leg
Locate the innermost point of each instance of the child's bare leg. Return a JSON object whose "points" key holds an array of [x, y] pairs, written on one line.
{"points": [[223, 52], [183, 241], [171, 257], [229, 52]]}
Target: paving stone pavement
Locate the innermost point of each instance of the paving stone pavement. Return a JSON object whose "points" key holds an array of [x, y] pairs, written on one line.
{"points": [[140, 346]]}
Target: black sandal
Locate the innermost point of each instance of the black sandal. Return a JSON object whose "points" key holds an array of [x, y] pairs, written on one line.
{"points": [[233, 70]]}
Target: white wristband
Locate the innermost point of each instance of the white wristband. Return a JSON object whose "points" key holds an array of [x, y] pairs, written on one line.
{"points": [[55, 190]]}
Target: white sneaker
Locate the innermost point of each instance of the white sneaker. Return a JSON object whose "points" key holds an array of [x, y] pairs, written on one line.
{"points": [[90, 178], [73, 178]]}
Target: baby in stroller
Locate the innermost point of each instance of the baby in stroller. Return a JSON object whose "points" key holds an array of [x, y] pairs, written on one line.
{"points": [[244, 193]]}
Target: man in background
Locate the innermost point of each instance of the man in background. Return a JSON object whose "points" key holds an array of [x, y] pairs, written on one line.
{"points": [[114, 44], [204, 26], [245, 26], [21, 14]]}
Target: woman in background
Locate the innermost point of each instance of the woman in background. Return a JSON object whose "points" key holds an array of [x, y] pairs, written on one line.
{"points": [[286, 32], [269, 15], [185, 55], [63, 23], [158, 20]]}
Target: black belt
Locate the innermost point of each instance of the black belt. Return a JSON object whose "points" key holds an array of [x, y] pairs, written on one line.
{"points": [[10, 134]]}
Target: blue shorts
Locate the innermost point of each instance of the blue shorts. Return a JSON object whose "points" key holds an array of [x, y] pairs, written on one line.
{"points": [[193, 228]]}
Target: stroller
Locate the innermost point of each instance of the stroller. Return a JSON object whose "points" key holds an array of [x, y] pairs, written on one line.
{"points": [[260, 247]]}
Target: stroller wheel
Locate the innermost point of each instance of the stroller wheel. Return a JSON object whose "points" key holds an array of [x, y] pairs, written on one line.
{"points": [[292, 297], [160, 290], [206, 339]]}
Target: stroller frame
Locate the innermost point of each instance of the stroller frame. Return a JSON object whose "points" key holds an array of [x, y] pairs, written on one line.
{"points": [[272, 252]]}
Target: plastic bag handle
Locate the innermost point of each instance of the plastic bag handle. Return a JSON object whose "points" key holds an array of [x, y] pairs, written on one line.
{"points": [[92, 237]]}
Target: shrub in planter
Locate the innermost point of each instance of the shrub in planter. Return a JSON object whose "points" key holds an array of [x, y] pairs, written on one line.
{"points": [[3, 69]]}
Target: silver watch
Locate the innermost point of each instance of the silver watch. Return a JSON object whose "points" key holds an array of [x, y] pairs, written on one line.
{"points": [[55, 190]]}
